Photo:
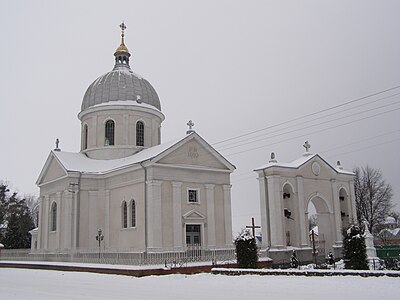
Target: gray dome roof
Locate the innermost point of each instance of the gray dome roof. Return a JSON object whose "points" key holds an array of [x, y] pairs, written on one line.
{"points": [[120, 84]]}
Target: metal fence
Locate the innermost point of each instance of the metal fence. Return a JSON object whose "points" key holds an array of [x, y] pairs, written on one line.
{"points": [[124, 257]]}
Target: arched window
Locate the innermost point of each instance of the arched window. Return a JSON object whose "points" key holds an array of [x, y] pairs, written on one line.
{"points": [[54, 216], [139, 133], [133, 213], [85, 136], [124, 215], [109, 133]]}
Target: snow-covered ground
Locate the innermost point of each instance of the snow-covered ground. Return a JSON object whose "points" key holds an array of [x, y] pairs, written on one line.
{"points": [[41, 284]]}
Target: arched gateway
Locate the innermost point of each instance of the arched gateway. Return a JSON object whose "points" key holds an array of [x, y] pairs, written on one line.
{"points": [[291, 192]]}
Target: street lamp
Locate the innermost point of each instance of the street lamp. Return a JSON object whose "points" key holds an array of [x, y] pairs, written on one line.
{"points": [[99, 238]]}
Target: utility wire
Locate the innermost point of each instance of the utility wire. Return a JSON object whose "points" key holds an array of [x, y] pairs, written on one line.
{"points": [[309, 115], [309, 126], [224, 147], [316, 131]]}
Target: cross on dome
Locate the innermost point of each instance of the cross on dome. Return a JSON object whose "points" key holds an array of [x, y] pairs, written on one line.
{"points": [[123, 26]]}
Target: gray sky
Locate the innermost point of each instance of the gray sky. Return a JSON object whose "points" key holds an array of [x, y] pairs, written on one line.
{"points": [[233, 67]]}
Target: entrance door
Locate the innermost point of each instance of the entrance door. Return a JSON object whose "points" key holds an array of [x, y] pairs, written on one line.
{"points": [[193, 235]]}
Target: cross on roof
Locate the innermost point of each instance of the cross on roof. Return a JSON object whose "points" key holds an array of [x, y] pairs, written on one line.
{"points": [[307, 146], [190, 124]]}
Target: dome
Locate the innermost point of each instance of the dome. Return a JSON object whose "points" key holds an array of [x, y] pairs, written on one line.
{"points": [[121, 84]]}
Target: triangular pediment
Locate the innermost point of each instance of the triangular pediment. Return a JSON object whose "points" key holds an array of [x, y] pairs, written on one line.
{"points": [[317, 167], [51, 171], [194, 151], [193, 215]]}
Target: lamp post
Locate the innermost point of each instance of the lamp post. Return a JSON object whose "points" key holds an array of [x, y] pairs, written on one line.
{"points": [[99, 238]]}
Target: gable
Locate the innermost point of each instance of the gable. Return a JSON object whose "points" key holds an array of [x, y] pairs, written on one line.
{"points": [[317, 168], [194, 154], [52, 170]]}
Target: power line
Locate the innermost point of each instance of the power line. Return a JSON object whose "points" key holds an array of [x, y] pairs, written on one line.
{"points": [[309, 115], [309, 126], [308, 121], [316, 131]]}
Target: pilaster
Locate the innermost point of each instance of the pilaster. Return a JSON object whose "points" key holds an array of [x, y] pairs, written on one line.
{"points": [[303, 223], [210, 215], [227, 215], [58, 225], [177, 214], [107, 218], [336, 211], [154, 229], [276, 212]]}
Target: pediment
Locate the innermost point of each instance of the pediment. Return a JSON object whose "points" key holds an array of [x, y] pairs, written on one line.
{"points": [[51, 171], [196, 152], [317, 167], [193, 215]]}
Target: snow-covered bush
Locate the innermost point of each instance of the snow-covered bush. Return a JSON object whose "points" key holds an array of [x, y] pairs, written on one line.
{"points": [[246, 250], [354, 249]]}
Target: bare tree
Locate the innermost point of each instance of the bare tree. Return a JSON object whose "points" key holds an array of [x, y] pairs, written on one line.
{"points": [[373, 197], [33, 204]]}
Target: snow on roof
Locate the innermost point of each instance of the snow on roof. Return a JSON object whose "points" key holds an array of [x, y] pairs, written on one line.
{"points": [[126, 102], [79, 162], [299, 162]]}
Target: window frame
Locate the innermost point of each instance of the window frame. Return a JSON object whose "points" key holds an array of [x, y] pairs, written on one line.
{"points": [[189, 190], [124, 215], [140, 133], [133, 213], [109, 132], [53, 219]]}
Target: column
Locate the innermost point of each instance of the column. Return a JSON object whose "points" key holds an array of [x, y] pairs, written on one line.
{"points": [[276, 212], [264, 210], [303, 222], [336, 212], [40, 222], [154, 228], [59, 210], [67, 199], [125, 131], [46, 222], [228, 215], [107, 218], [177, 214], [92, 218], [93, 135], [210, 215]]}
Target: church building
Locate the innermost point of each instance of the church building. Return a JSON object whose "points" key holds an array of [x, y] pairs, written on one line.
{"points": [[290, 192], [125, 187]]}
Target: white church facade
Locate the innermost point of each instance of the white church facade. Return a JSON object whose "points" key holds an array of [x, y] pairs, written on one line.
{"points": [[287, 193], [140, 194]]}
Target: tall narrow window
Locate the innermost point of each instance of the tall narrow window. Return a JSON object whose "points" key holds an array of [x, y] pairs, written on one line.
{"points": [[54, 216], [124, 215], [109, 133], [139, 133], [85, 137], [133, 213]]}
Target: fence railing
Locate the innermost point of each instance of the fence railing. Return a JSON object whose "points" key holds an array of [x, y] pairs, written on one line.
{"points": [[125, 257]]}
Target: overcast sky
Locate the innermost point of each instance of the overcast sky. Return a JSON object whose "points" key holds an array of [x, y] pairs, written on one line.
{"points": [[233, 67]]}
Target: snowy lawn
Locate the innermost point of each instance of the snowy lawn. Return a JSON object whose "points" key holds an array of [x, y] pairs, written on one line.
{"points": [[43, 284]]}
